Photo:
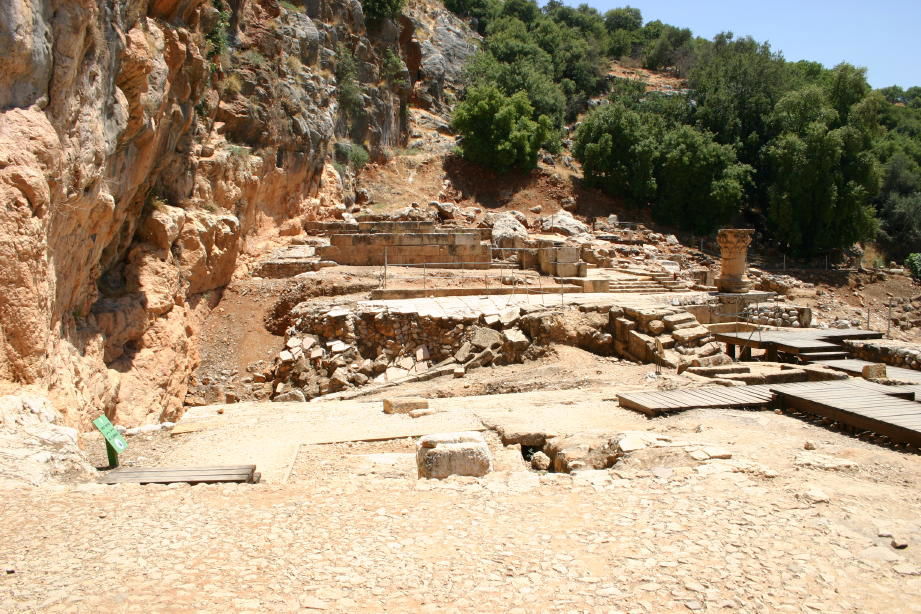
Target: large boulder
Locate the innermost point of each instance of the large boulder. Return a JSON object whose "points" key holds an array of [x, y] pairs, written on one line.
{"points": [[563, 223], [35, 448], [444, 454], [508, 231]]}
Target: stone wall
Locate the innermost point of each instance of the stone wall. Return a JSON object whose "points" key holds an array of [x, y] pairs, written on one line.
{"points": [[778, 315], [895, 353]]}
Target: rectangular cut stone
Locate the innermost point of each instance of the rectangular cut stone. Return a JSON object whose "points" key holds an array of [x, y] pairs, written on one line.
{"points": [[679, 320], [686, 335], [404, 405]]}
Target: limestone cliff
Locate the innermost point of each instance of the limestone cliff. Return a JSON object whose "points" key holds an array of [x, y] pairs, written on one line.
{"points": [[147, 147]]}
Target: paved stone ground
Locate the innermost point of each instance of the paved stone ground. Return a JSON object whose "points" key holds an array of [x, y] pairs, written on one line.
{"points": [[512, 542], [352, 530]]}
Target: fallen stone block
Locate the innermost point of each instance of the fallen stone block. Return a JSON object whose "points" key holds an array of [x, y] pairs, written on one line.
{"points": [[515, 339], [679, 320], [485, 338], [877, 371], [404, 405], [444, 454], [683, 336]]}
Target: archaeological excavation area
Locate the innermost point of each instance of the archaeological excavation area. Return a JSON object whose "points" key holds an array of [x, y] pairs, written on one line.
{"points": [[493, 306], [440, 410]]}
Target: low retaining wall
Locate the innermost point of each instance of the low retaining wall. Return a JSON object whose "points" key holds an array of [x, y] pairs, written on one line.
{"points": [[895, 353], [446, 256]]}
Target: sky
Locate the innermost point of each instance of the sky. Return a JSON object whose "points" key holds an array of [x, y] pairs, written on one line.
{"points": [[884, 36]]}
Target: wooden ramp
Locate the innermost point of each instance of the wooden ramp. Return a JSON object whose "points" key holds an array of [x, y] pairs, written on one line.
{"points": [[195, 475], [657, 403], [894, 414]]}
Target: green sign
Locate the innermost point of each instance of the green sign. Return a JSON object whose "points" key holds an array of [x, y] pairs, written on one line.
{"points": [[115, 443]]}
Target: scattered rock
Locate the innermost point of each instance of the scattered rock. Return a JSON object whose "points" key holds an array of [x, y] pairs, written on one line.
{"points": [[815, 495], [404, 405], [485, 338], [540, 461], [292, 396], [814, 460]]}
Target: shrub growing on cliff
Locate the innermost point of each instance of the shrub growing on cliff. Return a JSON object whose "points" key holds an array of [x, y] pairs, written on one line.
{"points": [[218, 38], [498, 130], [393, 69], [377, 10], [913, 264], [347, 82]]}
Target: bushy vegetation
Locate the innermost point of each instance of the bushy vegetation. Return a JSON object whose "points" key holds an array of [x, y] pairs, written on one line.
{"points": [[393, 70], [218, 38], [913, 264], [499, 131], [377, 10], [810, 156], [350, 97]]}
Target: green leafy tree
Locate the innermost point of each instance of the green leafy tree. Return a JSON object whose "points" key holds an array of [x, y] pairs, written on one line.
{"points": [[525, 10], [482, 12], [378, 10], [627, 18], [913, 264], [822, 177], [700, 184], [669, 48], [901, 226], [498, 130], [736, 83], [618, 149]]}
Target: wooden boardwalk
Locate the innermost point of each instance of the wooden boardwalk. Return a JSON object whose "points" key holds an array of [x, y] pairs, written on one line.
{"points": [[657, 403], [863, 409], [799, 342], [193, 475], [893, 411]]}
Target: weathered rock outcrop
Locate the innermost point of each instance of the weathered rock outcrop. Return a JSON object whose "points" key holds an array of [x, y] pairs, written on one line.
{"points": [[143, 144]]}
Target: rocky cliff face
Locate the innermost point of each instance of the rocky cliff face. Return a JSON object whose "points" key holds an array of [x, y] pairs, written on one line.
{"points": [[148, 147]]}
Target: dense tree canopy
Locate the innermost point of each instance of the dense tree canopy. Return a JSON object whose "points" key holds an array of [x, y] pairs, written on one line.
{"points": [[810, 155]]}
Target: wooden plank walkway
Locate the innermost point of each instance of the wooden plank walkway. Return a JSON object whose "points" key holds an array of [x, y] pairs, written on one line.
{"points": [[193, 475], [655, 403], [865, 409], [794, 341], [893, 411], [855, 366]]}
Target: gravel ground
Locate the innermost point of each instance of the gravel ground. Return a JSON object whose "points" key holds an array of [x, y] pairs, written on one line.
{"points": [[353, 530]]}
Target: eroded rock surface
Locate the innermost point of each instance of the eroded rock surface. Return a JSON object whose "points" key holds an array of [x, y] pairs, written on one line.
{"points": [[148, 149]]}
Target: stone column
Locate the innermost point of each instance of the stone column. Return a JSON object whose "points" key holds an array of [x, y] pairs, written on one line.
{"points": [[734, 244]]}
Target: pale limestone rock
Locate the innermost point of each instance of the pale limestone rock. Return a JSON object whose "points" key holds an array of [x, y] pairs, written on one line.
{"points": [[444, 454], [540, 461], [404, 405], [814, 460]]}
